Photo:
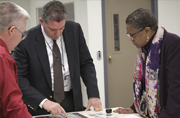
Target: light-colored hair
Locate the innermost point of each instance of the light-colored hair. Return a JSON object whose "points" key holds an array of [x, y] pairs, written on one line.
{"points": [[11, 14]]}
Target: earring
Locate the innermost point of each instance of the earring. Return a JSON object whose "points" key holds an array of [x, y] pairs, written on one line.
{"points": [[147, 38]]}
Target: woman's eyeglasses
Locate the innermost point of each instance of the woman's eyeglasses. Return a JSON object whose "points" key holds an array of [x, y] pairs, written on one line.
{"points": [[133, 36]]}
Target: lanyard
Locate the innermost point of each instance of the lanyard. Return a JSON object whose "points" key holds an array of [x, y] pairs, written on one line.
{"points": [[55, 54]]}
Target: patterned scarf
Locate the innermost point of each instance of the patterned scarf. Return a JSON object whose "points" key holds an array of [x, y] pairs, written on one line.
{"points": [[151, 77]]}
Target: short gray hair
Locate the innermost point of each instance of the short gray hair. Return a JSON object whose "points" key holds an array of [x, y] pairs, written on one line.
{"points": [[142, 18], [11, 14], [54, 11]]}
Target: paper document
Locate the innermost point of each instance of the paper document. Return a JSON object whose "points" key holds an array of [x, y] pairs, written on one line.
{"points": [[132, 116]]}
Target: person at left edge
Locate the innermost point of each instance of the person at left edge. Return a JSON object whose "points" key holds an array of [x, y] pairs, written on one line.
{"points": [[13, 19], [34, 61]]}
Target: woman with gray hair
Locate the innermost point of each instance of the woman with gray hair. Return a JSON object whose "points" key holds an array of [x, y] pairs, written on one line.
{"points": [[156, 78], [13, 19]]}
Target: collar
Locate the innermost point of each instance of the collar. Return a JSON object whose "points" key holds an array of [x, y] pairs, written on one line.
{"points": [[3, 45]]}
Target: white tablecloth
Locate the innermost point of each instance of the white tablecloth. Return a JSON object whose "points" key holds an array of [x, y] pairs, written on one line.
{"points": [[100, 114]]}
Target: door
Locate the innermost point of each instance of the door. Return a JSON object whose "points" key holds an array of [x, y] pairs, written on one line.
{"points": [[120, 51]]}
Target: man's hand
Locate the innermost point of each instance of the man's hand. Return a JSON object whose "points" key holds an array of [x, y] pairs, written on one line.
{"points": [[123, 110], [96, 103], [53, 107]]}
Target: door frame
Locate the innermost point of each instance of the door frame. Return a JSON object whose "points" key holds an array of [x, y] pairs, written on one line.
{"points": [[155, 12]]}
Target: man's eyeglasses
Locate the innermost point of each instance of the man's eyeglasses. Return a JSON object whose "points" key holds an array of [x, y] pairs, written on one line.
{"points": [[133, 36], [23, 35]]}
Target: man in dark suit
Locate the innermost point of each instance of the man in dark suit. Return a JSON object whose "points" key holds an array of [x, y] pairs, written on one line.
{"points": [[35, 57]]}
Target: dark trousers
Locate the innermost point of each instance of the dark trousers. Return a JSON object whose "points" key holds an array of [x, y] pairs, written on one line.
{"points": [[68, 103]]}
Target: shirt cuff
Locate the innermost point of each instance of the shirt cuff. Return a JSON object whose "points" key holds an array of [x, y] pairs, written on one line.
{"points": [[40, 105]]}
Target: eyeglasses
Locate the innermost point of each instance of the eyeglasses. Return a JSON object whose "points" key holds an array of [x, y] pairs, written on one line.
{"points": [[23, 35], [133, 36]]}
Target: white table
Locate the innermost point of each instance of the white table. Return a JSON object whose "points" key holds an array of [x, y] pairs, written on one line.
{"points": [[101, 114]]}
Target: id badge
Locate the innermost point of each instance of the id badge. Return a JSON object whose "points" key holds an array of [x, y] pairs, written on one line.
{"points": [[67, 81], [143, 105]]}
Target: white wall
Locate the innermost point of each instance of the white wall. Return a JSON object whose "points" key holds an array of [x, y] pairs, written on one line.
{"points": [[96, 41], [169, 16], [88, 13], [34, 4]]}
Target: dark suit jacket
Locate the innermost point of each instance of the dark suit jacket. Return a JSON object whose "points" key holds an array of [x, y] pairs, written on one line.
{"points": [[34, 71], [169, 76]]}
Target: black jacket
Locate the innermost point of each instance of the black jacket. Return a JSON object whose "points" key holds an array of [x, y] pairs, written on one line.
{"points": [[34, 71]]}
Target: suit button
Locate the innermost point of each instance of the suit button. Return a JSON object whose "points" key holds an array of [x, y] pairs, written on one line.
{"points": [[50, 96]]}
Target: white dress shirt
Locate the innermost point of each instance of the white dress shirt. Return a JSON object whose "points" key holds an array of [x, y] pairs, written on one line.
{"points": [[64, 61]]}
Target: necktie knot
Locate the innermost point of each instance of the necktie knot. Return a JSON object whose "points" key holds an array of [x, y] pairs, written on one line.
{"points": [[54, 41]]}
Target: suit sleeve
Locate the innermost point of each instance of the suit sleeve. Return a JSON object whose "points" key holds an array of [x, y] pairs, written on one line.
{"points": [[172, 71], [12, 104], [31, 96], [87, 68], [133, 108]]}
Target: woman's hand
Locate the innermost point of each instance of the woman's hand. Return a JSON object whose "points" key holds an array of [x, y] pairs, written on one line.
{"points": [[124, 110]]}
